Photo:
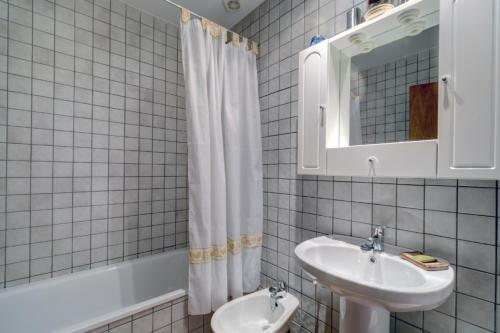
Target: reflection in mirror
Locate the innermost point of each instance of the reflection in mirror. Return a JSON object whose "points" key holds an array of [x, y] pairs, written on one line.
{"points": [[394, 91]]}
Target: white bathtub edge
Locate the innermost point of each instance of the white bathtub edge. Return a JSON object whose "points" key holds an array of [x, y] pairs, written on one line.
{"points": [[122, 313], [86, 272]]}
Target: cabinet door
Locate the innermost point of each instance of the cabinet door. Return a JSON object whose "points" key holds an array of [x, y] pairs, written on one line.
{"points": [[469, 110], [312, 106]]}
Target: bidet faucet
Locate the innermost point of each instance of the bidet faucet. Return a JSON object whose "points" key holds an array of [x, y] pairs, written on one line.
{"points": [[376, 241], [276, 293]]}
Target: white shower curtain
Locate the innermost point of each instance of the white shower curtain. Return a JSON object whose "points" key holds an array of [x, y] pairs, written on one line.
{"points": [[224, 166]]}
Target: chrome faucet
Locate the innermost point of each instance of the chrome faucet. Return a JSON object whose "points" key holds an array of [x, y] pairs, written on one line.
{"points": [[276, 293], [376, 241]]}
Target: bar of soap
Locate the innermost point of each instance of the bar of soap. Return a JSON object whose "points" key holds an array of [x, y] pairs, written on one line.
{"points": [[424, 258]]}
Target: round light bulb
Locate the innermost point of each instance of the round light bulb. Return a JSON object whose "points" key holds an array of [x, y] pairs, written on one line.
{"points": [[233, 4], [357, 39], [366, 47], [415, 28], [408, 17]]}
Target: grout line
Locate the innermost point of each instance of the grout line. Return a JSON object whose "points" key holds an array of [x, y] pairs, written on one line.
{"points": [[152, 177], [108, 194], [138, 182], [53, 148], [456, 260], [123, 142], [176, 138], [164, 163], [92, 143], [6, 154], [30, 150], [495, 307], [423, 240], [73, 150]]}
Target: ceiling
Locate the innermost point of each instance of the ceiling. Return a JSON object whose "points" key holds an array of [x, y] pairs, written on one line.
{"points": [[211, 9]]}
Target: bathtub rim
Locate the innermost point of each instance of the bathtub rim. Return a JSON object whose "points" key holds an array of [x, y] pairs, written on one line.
{"points": [[90, 271], [112, 316]]}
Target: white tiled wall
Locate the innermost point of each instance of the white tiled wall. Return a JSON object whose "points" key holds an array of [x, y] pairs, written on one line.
{"points": [[170, 317], [456, 220], [92, 137]]}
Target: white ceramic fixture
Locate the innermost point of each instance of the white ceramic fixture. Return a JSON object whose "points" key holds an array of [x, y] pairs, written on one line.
{"points": [[253, 313], [84, 301], [372, 284]]}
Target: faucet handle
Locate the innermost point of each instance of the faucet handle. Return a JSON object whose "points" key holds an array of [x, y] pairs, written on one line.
{"points": [[278, 287], [378, 231], [369, 242]]}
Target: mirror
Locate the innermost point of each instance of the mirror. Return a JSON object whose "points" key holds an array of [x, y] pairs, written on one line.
{"points": [[388, 83], [394, 91]]}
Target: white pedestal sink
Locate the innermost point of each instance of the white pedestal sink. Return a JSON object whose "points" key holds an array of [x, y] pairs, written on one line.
{"points": [[369, 290]]}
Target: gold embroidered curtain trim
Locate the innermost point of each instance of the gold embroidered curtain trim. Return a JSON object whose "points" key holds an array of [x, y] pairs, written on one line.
{"points": [[215, 31], [185, 15], [235, 39], [219, 252], [213, 28]]}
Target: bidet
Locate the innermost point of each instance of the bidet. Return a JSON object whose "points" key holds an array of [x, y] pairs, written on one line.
{"points": [[255, 312]]}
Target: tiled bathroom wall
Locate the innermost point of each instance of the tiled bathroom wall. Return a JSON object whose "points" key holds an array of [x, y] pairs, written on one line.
{"points": [[93, 149], [170, 317], [456, 220], [384, 95]]}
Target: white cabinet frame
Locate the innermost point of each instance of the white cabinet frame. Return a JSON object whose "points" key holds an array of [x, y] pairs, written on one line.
{"points": [[312, 109], [469, 62]]}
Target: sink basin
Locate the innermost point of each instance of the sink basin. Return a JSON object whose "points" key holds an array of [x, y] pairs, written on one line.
{"points": [[252, 313], [372, 287]]}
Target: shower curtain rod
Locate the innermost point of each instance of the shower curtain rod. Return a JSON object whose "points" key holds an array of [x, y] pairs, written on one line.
{"points": [[199, 16]]}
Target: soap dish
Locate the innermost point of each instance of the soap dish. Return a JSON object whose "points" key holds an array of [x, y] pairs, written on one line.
{"points": [[424, 261]]}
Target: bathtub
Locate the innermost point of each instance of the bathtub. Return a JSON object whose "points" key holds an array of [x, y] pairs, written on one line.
{"points": [[87, 300]]}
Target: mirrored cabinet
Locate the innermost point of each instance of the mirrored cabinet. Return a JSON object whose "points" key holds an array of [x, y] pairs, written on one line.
{"points": [[411, 93]]}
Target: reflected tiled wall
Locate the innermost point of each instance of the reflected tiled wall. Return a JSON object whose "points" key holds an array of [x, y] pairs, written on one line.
{"points": [[92, 137], [384, 93], [453, 219]]}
